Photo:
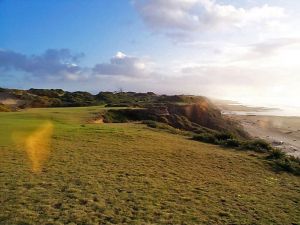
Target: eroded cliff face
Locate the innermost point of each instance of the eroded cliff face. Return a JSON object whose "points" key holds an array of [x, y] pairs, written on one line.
{"points": [[209, 116], [196, 117], [202, 113]]}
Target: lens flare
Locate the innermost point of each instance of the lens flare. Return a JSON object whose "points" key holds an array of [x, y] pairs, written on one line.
{"points": [[37, 146]]}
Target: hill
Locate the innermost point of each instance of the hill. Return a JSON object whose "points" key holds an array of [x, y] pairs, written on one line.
{"points": [[129, 173], [43, 98], [192, 113]]}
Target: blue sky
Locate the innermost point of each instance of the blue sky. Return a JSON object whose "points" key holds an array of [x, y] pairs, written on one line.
{"points": [[93, 27], [99, 29], [245, 50]]}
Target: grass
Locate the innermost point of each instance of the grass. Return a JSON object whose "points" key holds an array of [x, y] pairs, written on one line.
{"points": [[277, 158], [133, 174]]}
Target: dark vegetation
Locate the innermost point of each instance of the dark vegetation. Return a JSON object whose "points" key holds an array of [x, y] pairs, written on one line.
{"points": [[189, 117], [126, 99], [43, 98], [229, 140]]}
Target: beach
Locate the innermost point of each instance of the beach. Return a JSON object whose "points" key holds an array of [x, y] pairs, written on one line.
{"points": [[279, 127], [281, 131]]}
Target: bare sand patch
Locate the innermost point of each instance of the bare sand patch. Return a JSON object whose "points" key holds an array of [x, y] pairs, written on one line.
{"points": [[281, 131], [8, 99], [98, 121]]}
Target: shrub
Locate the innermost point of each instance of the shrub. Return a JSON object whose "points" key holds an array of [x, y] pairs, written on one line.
{"points": [[257, 145], [288, 164], [113, 116], [276, 154], [166, 127], [228, 140], [150, 123], [78, 98], [111, 105], [51, 93], [232, 143], [206, 137], [171, 129], [224, 136], [55, 102]]}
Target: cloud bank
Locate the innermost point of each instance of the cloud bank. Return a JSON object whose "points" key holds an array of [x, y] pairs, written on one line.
{"points": [[52, 63], [200, 14], [177, 18], [56, 64]]}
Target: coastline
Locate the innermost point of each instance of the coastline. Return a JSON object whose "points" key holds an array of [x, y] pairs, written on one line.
{"points": [[281, 131], [279, 127]]}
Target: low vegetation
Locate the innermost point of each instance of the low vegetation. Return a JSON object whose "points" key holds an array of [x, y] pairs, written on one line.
{"points": [[232, 137], [287, 163], [129, 173], [229, 140], [4, 108], [279, 160], [190, 117], [44, 98], [165, 127]]}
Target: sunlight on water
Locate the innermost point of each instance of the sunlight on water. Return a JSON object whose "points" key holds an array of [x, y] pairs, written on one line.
{"points": [[37, 145]]}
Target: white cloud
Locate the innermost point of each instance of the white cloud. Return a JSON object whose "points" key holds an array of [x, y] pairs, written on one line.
{"points": [[180, 17], [61, 64], [124, 65]]}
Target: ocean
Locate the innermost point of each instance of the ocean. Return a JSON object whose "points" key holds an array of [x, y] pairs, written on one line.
{"points": [[268, 111]]}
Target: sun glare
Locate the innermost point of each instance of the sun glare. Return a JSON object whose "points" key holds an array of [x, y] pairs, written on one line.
{"points": [[37, 146]]}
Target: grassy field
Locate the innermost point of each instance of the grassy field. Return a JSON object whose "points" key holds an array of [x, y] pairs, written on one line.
{"points": [[131, 174]]}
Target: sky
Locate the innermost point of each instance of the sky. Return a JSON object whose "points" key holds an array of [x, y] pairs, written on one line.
{"points": [[244, 50]]}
